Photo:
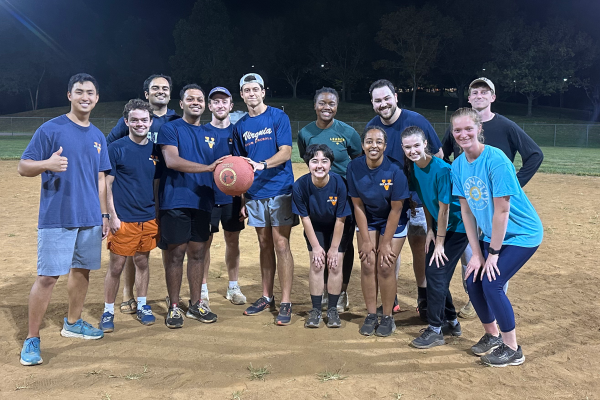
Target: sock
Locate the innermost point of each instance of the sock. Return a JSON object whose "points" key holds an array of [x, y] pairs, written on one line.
{"points": [[454, 322], [333, 299], [232, 284], [422, 293], [268, 298], [141, 302], [204, 287], [109, 307], [316, 301], [437, 329]]}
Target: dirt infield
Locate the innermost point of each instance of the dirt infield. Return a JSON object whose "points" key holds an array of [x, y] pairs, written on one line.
{"points": [[555, 298]]}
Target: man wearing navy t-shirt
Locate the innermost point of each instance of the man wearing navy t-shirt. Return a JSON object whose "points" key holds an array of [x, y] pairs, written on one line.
{"points": [[394, 120], [264, 136], [71, 156], [157, 89], [186, 199]]}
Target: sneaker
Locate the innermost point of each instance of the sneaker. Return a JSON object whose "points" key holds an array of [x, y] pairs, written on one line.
{"points": [[449, 330], [235, 296], [343, 302], [204, 296], [200, 312], [368, 327], [81, 329], [395, 309], [174, 318], [386, 327], [30, 355], [333, 318], [259, 306], [428, 339], [145, 315], [504, 356], [487, 344], [422, 309], [107, 323], [285, 314], [325, 300], [468, 311], [314, 319], [179, 305]]}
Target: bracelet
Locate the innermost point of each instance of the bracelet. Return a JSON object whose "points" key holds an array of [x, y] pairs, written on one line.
{"points": [[441, 236]]}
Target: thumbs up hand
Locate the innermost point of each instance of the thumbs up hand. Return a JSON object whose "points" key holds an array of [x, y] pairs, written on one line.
{"points": [[57, 163]]}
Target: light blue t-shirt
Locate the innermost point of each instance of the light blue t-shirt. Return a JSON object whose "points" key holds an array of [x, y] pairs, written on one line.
{"points": [[493, 175], [434, 184]]}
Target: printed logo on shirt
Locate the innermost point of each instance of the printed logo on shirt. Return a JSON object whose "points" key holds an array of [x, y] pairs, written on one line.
{"points": [[256, 136], [386, 183], [332, 200], [230, 141], [338, 140], [152, 136], [210, 141], [154, 159], [477, 193], [98, 146]]}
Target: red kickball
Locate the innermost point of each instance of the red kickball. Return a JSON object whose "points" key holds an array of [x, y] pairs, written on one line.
{"points": [[234, 176]]}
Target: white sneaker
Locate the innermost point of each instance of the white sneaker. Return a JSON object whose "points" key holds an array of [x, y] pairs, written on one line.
{"points": [[343, 303], [236, 296], [324, 300]]}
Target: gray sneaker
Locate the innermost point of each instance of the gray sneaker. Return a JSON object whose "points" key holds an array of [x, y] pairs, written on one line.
{"points": [[386, 327], [504, 356], [333, 318], [487, 344], [235, 295], [449, 330], [313, 320], [201, 312], [343, 303], [368, 327], [428, 339]]}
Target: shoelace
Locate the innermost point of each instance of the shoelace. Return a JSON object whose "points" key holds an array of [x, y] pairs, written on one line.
{"points": [[107, 318], [314, 313], [32, 343], [87, 325], [176, 312], [260, 302], [146, 310], [285, 309]]}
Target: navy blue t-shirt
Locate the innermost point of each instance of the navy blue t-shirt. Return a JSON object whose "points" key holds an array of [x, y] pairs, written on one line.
{"points": [[134, 169], [259, 139], [121, 130], [186, 190], [377, 188], [322, 205], [69, 199], [223, 147]]}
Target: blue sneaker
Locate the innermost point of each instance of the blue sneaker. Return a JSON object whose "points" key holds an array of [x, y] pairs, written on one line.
{"points": [[81, 330], [30, 355], [145, 315], [259, 306], [285, 314], [107, 322]]}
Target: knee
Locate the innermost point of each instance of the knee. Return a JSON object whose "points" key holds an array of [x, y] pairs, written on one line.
{"points": [[493, 288], [46, 282], [282, 246], [386, 272], [367, 268], [232, 239]]}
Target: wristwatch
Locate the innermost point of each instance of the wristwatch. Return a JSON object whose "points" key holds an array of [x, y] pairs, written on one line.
{"points": [[264, 163], [107, 216], [493, 251]]}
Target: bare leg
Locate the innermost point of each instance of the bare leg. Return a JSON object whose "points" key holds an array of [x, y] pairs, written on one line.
{"points": [[113, 277], [207, 260], [77, 286], [267, 259], [417, 247], [232, 254], [315, 277], [39, 298], [334, 283], [173, 263], [128, 280], [368, 277], [285, 261], [387, 278], [196, 254], [142, 273]]}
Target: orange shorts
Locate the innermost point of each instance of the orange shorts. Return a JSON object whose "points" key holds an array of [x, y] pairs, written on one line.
{"points": [[133, 237]]}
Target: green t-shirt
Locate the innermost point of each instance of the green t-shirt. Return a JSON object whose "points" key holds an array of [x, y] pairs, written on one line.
{"points": [[341, 138]]}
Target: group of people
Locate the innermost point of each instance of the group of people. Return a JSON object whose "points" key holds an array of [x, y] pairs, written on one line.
{"points": [[149, 184]]}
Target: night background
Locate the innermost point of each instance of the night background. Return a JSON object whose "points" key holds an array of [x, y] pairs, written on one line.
{"points": [[545, 52]]}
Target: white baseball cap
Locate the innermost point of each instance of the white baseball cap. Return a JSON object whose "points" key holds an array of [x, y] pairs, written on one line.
{"points": [[252, 78], [486, 81]]}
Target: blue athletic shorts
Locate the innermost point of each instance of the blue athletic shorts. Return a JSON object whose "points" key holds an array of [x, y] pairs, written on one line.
{"points": [[60, 249], [274, 211]]}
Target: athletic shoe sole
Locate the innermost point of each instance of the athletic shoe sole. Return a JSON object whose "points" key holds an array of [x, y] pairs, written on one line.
{"points": [[146, 323], [518, 361], [433, 344], [387, 335], [25, 363], [238, 303], [68, 334], [198, 318]]}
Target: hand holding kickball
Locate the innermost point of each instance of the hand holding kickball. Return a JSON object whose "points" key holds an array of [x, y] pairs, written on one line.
{"points": [[234, 175]]}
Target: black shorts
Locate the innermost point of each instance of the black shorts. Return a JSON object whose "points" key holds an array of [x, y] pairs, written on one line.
{"points": [[182, 225], [324, 238], [228, 215]]}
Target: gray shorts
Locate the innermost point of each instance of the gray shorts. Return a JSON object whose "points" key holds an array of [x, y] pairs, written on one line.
{"points": [[60, 249], [274, 211], [417, 225]]}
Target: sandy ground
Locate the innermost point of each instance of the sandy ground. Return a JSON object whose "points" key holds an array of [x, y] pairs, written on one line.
{"points": [[555, 297]]}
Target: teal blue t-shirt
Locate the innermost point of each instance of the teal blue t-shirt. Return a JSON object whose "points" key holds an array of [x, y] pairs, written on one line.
{"points": [[493, 175], [434, 184], [341, 138]]}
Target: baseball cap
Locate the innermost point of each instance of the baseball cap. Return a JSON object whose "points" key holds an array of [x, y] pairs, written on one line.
{"points": [[252, 78], [486, 81], [219, 89]]}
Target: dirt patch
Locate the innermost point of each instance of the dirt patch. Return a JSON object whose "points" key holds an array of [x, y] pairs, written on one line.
{"points": [[555, 298]]}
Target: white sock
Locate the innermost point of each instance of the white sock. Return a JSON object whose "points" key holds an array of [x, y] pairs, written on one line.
{"points": [[109, 307], [232, 284], [268, 298], [205, 287], [141, 302]]}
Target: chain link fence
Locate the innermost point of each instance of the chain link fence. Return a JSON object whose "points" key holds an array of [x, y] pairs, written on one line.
{"points": [[557, 135]]}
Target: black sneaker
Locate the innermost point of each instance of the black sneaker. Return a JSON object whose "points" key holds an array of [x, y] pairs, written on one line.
{"points": [[333, 318], [314, 319], [449, 330], [428, 339], [259, 306], [422, 309], [174, 318], [395, 309], [201, 313], [285, 314], [504, 356], [487, 344], [368, 327], [386, 327]]}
